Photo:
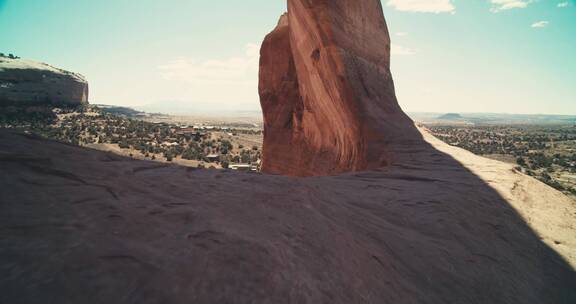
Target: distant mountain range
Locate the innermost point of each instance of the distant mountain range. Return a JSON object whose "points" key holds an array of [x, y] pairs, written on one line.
{"points": [[492, 118], [117, 110], [422, 117], [203, 109], [450, 116]]}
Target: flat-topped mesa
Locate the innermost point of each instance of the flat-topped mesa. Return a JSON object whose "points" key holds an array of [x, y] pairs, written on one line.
{"points": [[29, 83], [327, 93]]}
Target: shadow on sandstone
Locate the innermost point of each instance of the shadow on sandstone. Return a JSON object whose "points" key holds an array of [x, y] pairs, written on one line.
{"points": [[461, 241], [79, 226]]}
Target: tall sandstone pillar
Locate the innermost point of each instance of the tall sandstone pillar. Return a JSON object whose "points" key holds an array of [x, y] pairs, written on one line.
{"points": [[327, 93]]}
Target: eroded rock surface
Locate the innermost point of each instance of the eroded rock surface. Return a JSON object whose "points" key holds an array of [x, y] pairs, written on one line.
{"points": [[327, 93], [25, 82], [83, 226]]}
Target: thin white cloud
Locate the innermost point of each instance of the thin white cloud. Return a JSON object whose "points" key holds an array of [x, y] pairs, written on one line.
{"points": [[401, 34], [401, 50], [423, 6], [563, 4], [502, 5], [540, 24], [213, 83], [239, 70]]}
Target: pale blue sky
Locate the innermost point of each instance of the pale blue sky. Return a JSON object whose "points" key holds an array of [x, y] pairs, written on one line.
{"points": [[514, 56]]}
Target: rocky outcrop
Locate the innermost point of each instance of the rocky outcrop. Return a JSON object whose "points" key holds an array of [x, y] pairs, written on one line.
{"points": [[282, 104], [327, 93], [83, 226], [25, 82]]}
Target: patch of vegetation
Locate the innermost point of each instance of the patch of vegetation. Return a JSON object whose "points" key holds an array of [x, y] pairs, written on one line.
{"points": [[30, 115], [155, 141], [10, 56]]}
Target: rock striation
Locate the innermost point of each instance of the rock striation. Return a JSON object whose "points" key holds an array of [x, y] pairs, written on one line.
{"points": [[327, 93], [25, 82]]}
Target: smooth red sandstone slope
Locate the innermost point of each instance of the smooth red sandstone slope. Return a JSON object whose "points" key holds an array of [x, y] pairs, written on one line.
{"points": [[327, 93], [83, 226]]}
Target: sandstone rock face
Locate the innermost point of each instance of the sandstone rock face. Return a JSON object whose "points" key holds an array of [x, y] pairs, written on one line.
{"points": [[83, 226], [327, 93], [282, 104], [25, 82]]}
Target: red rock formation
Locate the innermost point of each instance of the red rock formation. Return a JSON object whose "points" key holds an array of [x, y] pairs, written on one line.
{"points": [[327, 93], [281, 101]]}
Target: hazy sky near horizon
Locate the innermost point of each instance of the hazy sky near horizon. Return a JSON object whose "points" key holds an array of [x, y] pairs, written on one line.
{"points": [[500, 56]]}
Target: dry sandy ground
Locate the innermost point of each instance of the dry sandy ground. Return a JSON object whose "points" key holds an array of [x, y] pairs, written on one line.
{"points": [[246, 140], [252, 119], [132, 153], [443, 226]]}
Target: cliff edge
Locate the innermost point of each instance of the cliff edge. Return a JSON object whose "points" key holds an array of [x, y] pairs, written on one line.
{"points": [[25, 82]]}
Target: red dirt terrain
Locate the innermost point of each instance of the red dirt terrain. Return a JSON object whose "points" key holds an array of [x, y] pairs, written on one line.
{"points": [[83, 226]]}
